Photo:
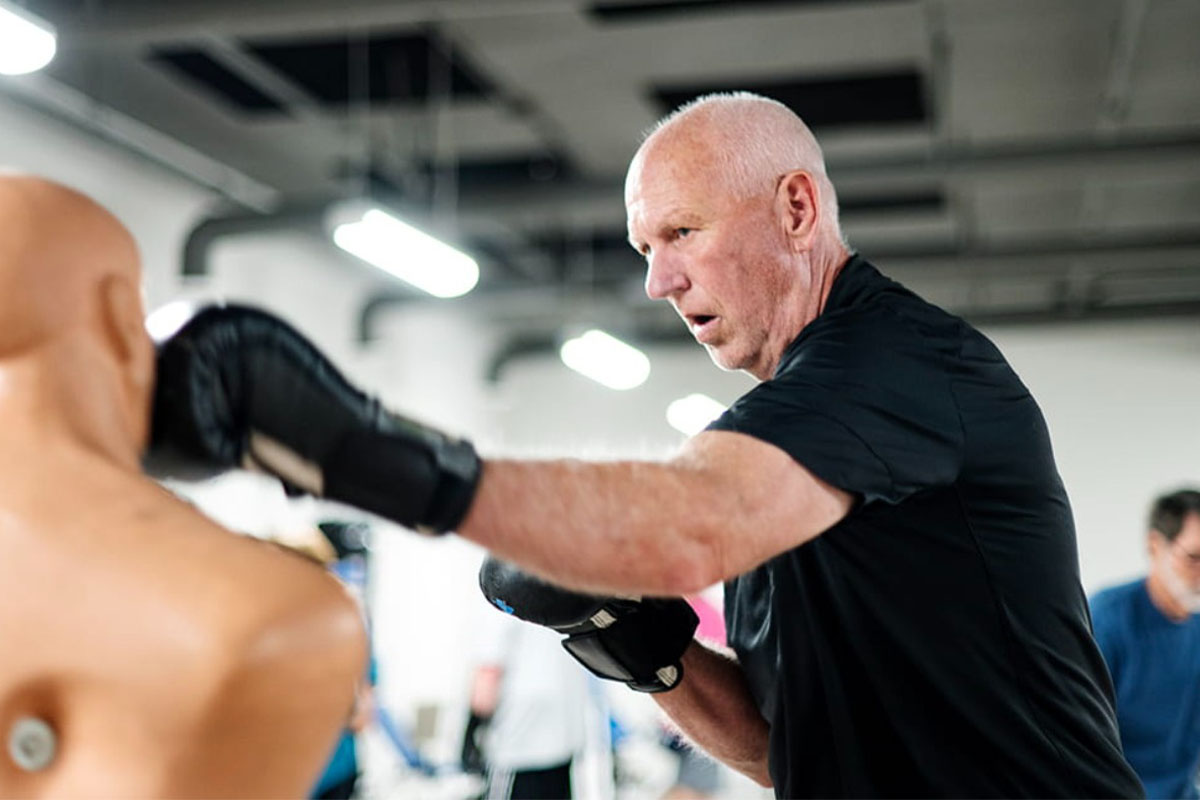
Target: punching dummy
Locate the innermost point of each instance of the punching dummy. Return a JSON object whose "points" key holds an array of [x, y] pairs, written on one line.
{"points": [[147, 651]]}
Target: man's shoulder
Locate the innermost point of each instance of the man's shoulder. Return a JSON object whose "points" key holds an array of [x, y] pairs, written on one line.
{"points": [[1111, 601], [878, 312], [880, 335]]}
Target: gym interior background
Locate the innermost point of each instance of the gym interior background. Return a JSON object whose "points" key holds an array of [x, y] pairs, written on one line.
{"points": [[1031, 164]]}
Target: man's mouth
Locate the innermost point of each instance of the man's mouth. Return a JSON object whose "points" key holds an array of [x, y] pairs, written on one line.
{"points": [[702, 325]]}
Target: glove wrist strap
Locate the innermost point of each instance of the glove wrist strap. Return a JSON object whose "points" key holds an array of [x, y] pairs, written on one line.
{"points": [[426, 483]]}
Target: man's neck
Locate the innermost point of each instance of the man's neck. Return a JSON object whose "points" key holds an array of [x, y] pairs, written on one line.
{"points": [[806, 309]]}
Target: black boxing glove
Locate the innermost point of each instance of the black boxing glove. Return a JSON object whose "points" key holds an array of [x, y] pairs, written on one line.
{"points": [[238, 387], [638, 641]]}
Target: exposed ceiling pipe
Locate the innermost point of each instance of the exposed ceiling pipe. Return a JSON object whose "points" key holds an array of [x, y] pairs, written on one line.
{"points": [[200, 239]]}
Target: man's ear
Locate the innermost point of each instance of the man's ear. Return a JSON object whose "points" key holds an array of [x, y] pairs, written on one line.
{"points": [[799, 201], [1155, 542]]}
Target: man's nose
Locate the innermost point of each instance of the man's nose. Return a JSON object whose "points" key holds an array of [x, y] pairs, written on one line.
{"points": [[664, 276]]}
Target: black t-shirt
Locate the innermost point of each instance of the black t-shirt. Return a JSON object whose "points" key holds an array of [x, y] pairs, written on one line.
{"points": [[936, 641]]}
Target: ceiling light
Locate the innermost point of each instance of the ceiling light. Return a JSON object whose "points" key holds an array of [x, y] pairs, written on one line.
{"points": [[606, 359], [409, 254], [691, 414], [27, 43], [165, 321]]}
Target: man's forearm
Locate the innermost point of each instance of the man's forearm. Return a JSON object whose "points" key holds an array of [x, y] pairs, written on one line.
{"points": [[608, 528], [713, 706], [722, 505]]}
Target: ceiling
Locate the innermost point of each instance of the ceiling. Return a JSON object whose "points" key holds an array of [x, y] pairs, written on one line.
{"points": [[1014, 160]]}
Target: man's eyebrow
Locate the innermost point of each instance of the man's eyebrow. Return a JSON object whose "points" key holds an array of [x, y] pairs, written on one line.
{"points": [[675, 216]]}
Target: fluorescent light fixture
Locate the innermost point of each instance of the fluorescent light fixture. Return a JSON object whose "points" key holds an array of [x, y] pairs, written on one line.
{"points": [[164, 321], [411, 255], [606, 359], [691, 414], [27, 43]]}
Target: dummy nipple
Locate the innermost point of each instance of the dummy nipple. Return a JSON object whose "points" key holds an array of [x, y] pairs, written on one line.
{"points": [[32, 744]]}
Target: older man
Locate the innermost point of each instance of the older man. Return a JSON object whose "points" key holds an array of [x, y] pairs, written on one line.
{"points": [[903, 593], [147, 652], [1149, 632]]}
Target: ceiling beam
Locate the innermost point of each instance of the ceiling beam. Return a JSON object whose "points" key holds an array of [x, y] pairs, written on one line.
{"points": [[55, 99], [1118, 85], [1175, 153], [295, 100], [162, 23]]}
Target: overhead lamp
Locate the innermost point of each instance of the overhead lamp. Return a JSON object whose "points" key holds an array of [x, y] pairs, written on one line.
{"points": [[606, 360], [690, 415], [27, 42], [409, 254], [165, 321]]}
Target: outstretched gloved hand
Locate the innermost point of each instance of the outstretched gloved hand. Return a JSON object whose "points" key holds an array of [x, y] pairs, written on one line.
{"points": [[239, 387]]}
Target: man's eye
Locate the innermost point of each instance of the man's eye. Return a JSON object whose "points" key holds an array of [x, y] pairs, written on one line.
{"points": [[682, 232]]}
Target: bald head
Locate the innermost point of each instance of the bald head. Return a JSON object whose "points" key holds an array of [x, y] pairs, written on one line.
{"points": [[58, 249], [729, 203], [745, 140]]}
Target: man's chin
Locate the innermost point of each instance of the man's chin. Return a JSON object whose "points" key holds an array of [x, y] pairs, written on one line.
{"points": [[724, 359]]}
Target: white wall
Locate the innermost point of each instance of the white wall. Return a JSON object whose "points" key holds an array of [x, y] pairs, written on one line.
{"points": [[158, 207], [1123, 403]]}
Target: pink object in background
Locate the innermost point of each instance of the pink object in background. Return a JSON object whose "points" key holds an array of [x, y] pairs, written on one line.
{"points": [[712, 620]]}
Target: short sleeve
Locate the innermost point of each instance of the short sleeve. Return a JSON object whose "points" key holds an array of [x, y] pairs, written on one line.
{"points": [[865, 402]]}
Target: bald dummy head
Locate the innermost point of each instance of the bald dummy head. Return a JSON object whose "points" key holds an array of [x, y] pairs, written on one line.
{"points": [[201, 664], [72, 342]]}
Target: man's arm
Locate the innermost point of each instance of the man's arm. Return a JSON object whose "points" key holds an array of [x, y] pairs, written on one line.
{"points": [[485, 689], [485, 697], [725, 504], [713, 706], [647, 644], [237, 386]]}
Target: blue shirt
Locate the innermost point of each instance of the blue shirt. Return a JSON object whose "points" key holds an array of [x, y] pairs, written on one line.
{"points": [[1155, 666]]}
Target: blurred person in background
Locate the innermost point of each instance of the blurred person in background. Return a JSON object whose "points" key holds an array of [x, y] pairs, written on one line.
{"points": [[1149, 632], [528, 712]]}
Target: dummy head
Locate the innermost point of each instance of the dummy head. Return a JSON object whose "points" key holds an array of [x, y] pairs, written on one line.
{"points": [[70, 297]]}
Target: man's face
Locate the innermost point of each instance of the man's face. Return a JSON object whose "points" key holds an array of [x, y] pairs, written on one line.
{"points": [[1178, 562], [722, 262]]}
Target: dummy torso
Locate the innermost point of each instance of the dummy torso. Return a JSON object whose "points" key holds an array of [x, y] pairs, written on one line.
{"points": [[165, 655]]}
